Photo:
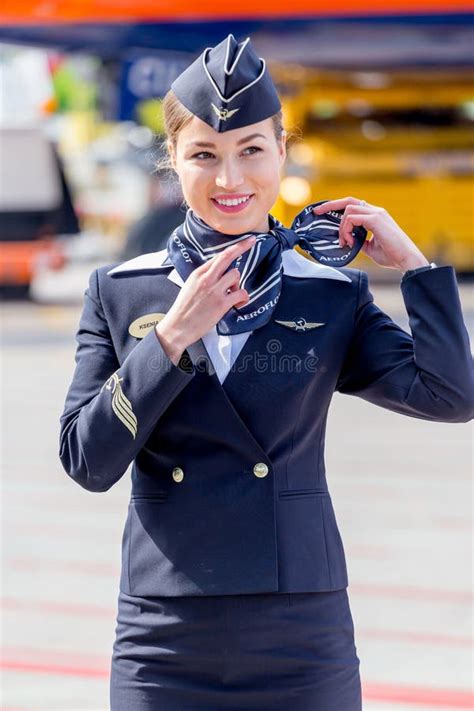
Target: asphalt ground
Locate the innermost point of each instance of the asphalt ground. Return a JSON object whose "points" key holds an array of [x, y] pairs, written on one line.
{"points": [[402, 493]]}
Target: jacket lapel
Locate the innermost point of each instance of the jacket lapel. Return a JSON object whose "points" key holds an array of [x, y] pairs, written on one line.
{"points": [[159, 263], [198, 353]]}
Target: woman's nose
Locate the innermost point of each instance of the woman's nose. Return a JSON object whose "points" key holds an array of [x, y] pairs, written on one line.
{"points": [[229, 176]]}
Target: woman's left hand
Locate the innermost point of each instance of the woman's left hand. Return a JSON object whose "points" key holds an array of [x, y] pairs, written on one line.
{"points": [[390, 246]]}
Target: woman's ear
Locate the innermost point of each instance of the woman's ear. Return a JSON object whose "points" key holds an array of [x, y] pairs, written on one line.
{"points": [[282, 147]]}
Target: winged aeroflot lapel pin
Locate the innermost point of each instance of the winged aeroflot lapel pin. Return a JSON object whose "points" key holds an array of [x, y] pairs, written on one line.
{"points": [[300, 324]]}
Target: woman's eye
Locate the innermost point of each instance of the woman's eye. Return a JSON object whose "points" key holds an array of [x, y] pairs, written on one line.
{"points": [[253, 148], [202, 153]]}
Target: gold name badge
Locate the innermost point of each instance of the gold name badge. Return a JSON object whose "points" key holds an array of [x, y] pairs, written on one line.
{"points": [[140, 327]]}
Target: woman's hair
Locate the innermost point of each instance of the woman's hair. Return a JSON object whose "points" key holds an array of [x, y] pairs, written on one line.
{"points": [[176, 117]]}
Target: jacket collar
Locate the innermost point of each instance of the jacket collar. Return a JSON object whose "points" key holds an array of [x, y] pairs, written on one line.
{"points": [[294, 264]]}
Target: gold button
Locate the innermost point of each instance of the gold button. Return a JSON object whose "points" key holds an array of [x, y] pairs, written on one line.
{"points": [[260, 469], [178, 474]]}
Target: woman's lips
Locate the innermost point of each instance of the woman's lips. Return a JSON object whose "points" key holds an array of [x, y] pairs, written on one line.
{"points": [[233, 208]]}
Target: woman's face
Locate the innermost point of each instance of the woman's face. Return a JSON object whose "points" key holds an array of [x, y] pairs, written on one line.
{"points": [[242, 165]]}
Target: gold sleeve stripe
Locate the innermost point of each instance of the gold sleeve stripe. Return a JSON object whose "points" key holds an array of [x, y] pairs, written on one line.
{"points": [[124, 401], [125, 407], [126, 411], [129, 423], [121, 405]]}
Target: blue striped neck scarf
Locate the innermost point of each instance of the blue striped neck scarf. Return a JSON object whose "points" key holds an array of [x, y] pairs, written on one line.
{"points": [[194, 242]]}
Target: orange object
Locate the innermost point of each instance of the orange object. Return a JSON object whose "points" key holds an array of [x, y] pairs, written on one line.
{"points": [[33, 12], [18, 260]]}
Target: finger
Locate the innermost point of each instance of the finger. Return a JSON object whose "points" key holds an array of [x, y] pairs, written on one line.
{"points": [[232, 288], [339, 204], [238, 298], [220, 262], [350, 221], [345, 230], [240, 294], [230, 280], [354, 209], [368, 247]]}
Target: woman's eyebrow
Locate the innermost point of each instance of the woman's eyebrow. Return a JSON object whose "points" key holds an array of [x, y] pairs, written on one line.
{"points": [[203, 144]]}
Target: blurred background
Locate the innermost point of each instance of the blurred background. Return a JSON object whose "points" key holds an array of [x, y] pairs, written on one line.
{"points": [[379, 98]]}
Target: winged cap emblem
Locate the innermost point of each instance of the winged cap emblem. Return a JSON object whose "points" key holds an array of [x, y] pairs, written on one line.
{"points": [[224, 114]]}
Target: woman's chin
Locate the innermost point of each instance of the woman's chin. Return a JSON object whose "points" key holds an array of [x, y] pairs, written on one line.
{"points": [[237, 223]]}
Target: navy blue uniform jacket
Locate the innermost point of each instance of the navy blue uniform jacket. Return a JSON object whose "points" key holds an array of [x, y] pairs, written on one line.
{"points": [[229, 491]]}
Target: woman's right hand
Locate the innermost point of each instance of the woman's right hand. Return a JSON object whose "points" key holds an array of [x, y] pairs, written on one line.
{"points": [[203, 300]]}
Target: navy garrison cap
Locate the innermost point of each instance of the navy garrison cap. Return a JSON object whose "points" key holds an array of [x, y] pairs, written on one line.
{"points": [[228, 86]]}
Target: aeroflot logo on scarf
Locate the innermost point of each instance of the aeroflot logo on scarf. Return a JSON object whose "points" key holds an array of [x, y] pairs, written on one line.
{"points": [[260, 310], [182, 248], [342, 258], [337, 215]]}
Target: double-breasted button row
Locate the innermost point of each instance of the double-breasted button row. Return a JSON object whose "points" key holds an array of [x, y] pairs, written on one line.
{"points": [[260, 469]]}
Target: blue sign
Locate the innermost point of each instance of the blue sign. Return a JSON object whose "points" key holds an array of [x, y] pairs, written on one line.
{"points": [[147, 77]]}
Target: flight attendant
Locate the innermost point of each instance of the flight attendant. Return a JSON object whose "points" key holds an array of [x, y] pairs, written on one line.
{"points": [[210, 366]]}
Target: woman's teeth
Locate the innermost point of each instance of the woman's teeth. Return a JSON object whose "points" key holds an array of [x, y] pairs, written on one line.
{"points": [[230, 203]]}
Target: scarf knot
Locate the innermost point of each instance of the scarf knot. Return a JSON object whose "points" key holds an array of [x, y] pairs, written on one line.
{"points": [[286, 238], [194, 242]]}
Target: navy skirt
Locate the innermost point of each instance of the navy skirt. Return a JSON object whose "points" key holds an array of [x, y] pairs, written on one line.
{"points": [[271, 652]]}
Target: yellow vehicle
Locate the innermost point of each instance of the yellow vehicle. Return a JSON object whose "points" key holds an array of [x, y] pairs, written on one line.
{"points": [[401, 140]]}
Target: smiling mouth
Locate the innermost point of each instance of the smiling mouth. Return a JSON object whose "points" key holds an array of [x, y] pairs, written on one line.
{"points": [[232, 204]]}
